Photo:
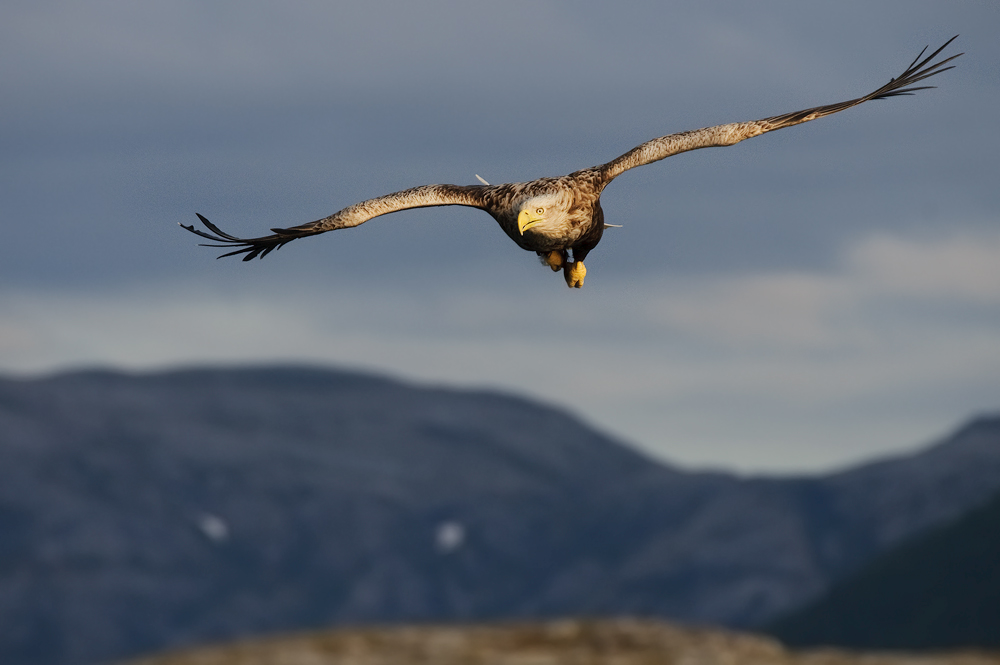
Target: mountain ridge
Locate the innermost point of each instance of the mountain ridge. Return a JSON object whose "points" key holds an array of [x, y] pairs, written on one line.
{"points": [[327, 493]]}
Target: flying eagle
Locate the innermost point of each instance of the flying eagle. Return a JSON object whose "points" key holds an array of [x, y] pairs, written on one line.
{"points": [[561, 219]]}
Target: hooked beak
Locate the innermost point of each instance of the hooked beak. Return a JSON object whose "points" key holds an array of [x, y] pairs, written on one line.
{"points": [[526, 219]]}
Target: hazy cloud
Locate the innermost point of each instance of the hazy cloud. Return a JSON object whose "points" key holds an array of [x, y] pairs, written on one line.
{"points": [[827, 310], [965, 268], [764, 306], [808, 340]]}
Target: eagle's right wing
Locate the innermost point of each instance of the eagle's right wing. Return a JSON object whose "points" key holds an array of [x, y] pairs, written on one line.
{"points": [[723, 135], [417, 197]]}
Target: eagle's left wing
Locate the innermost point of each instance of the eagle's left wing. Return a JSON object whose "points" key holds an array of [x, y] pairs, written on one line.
{"points": [[723, 135], [359, 213]]}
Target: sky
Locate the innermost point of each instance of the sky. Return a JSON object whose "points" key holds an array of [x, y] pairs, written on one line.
{"points": [[804, 301]]}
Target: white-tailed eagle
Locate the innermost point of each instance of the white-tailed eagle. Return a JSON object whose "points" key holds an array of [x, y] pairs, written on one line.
{"points": [[561, 218]]}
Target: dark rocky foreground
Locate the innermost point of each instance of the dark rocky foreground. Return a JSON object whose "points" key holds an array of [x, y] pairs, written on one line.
{"points": [[141, 512], [618, 642]]}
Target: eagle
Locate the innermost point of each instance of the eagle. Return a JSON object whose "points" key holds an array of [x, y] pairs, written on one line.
{"points": [[560, 218]]}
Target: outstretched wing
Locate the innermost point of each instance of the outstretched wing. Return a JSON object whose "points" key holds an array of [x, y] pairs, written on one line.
{"points": [[722, 135], [359, 213]]}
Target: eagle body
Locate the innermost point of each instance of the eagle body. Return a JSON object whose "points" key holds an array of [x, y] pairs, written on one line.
{"points": [[571, 205], [561, 218]]}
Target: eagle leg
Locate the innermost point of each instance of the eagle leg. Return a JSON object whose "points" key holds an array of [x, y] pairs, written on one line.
{"points": [[554, 259], [574, 273]]}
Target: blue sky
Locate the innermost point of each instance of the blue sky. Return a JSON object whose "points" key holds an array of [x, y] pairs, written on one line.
{"points": [[804, 300]]}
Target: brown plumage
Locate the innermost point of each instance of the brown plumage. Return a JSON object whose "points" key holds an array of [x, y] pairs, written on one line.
{"points": [[558, 216]]}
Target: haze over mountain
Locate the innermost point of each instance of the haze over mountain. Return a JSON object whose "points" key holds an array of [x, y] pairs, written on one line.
{"points": [[140, 512]]}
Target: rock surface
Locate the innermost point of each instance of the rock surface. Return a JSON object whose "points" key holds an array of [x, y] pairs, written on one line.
{"points": [[571, 642]]}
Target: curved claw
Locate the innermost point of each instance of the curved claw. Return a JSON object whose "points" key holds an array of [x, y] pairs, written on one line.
{"points": [[554, 259], [574, 273]]}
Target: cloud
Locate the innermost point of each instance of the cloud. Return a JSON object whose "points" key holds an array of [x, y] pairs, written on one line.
{"points": [[963, 268], [725, 294], [823, 310], [774, 309], [655, 363]]}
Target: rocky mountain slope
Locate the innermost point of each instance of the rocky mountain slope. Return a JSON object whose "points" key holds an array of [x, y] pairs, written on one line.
{"points": [[139, 512], [938, 590]]}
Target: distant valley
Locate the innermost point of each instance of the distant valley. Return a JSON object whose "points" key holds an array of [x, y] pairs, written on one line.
{"points": [[147, 511]]}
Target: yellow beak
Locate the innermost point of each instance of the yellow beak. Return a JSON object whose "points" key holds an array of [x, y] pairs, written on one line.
{"points": [[526, 219]]}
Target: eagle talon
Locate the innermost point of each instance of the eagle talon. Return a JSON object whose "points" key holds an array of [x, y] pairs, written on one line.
{"points": [[554, 259], [574, 273]]}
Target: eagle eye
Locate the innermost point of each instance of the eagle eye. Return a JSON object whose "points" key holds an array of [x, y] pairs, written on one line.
{"points": [[540, 211]]}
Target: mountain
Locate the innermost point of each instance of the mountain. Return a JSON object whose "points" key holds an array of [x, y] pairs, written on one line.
{"points": [[569, 642], [937, 590], [143, 511]]}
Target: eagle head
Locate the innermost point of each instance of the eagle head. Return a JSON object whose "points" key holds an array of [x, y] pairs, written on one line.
{"points": [[544, 212]]}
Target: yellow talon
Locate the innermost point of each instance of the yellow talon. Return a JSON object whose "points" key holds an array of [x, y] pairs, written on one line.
{"points": [[574, 273], [553, 259]]}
